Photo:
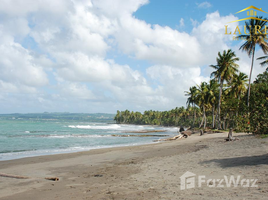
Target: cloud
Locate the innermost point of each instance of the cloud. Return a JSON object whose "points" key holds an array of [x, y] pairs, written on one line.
{"points": [[22, 8], [204, 4], [19, 70], [166, 46], [211, 37], [194, 22], [55, 56], [157, 44], [118, 8], [76, 91], [245, 62], [181, 22], [173, 82]]}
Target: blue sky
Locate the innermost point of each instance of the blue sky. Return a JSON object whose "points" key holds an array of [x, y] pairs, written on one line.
{"points": [[103, 55]]}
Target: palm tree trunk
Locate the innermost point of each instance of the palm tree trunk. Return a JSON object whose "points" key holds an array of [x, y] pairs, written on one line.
{"points": [[238, 106], [250, 75], [193, 106], [213, 117], [202, 122], [204, 116], [219, 106], [194, 114]]}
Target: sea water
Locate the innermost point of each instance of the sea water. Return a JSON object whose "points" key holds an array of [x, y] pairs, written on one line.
{"points": [[28, 138]]}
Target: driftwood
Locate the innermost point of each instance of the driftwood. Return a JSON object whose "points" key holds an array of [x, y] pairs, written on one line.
{"points": [[177, 137], [26, 177], [191, 131], [230, 136], [14, 176], [186, 133], [52, 178], [173, 138], [208, 131]]}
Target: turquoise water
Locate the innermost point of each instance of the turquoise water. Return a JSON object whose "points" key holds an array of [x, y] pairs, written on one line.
{"points": [[26, 138]]}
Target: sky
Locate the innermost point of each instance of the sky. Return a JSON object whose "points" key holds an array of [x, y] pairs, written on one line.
{"points": [[99, 56]]}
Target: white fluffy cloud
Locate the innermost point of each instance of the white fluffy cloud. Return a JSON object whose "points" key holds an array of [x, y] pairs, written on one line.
{"points": [[204, 4], [173, 82], [117, 8], [19, 72], [157, 44], [211, 37], [54, 56]]}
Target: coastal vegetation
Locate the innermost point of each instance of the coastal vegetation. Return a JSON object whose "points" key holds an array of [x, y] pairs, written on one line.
{"points": [[253, 39], [202, 102], [228, 100]]}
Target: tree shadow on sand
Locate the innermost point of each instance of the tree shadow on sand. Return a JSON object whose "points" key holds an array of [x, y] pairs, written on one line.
{"points": [[240, 161]]}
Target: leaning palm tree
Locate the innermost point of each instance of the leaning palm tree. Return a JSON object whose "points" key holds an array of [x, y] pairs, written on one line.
{"points": [[254, 38], [224, 70]]}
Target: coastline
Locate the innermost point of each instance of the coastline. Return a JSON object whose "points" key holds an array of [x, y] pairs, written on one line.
{"points": [[35, 154], [141, 172]]}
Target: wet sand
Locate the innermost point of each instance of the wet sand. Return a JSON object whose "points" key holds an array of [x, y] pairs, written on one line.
{"points": [[143, 172]]}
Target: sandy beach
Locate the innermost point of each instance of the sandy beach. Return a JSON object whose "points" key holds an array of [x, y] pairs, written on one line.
{"points": [[145, 172]]}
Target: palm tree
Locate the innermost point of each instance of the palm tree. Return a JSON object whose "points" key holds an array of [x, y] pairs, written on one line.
{"points": [[138, 118], [117, 117], [212, 97], [264, 62], [237, 89], [125, 115], [202, 99], [254, 38], [192, 100], [224, 70], [238, 85]]}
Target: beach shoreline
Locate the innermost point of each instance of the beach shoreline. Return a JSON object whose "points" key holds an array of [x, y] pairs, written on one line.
{"points": [[141, 172]]}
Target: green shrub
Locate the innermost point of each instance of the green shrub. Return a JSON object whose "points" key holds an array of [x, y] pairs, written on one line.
{"points": [[259, 107]]}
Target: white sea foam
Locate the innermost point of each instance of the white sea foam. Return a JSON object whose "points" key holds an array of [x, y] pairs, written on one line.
{"points": [[112, 126], [115, 127], [77, 136], [172, 129]]}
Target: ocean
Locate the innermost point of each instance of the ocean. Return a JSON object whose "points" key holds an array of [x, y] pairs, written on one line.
{"points": [[20, 138]]}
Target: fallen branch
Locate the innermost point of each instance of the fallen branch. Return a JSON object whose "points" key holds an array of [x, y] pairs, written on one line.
{"points": [[52, 178], [26, 177], [177, 137], [14, 176], [186, 133], [174, 138]]}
